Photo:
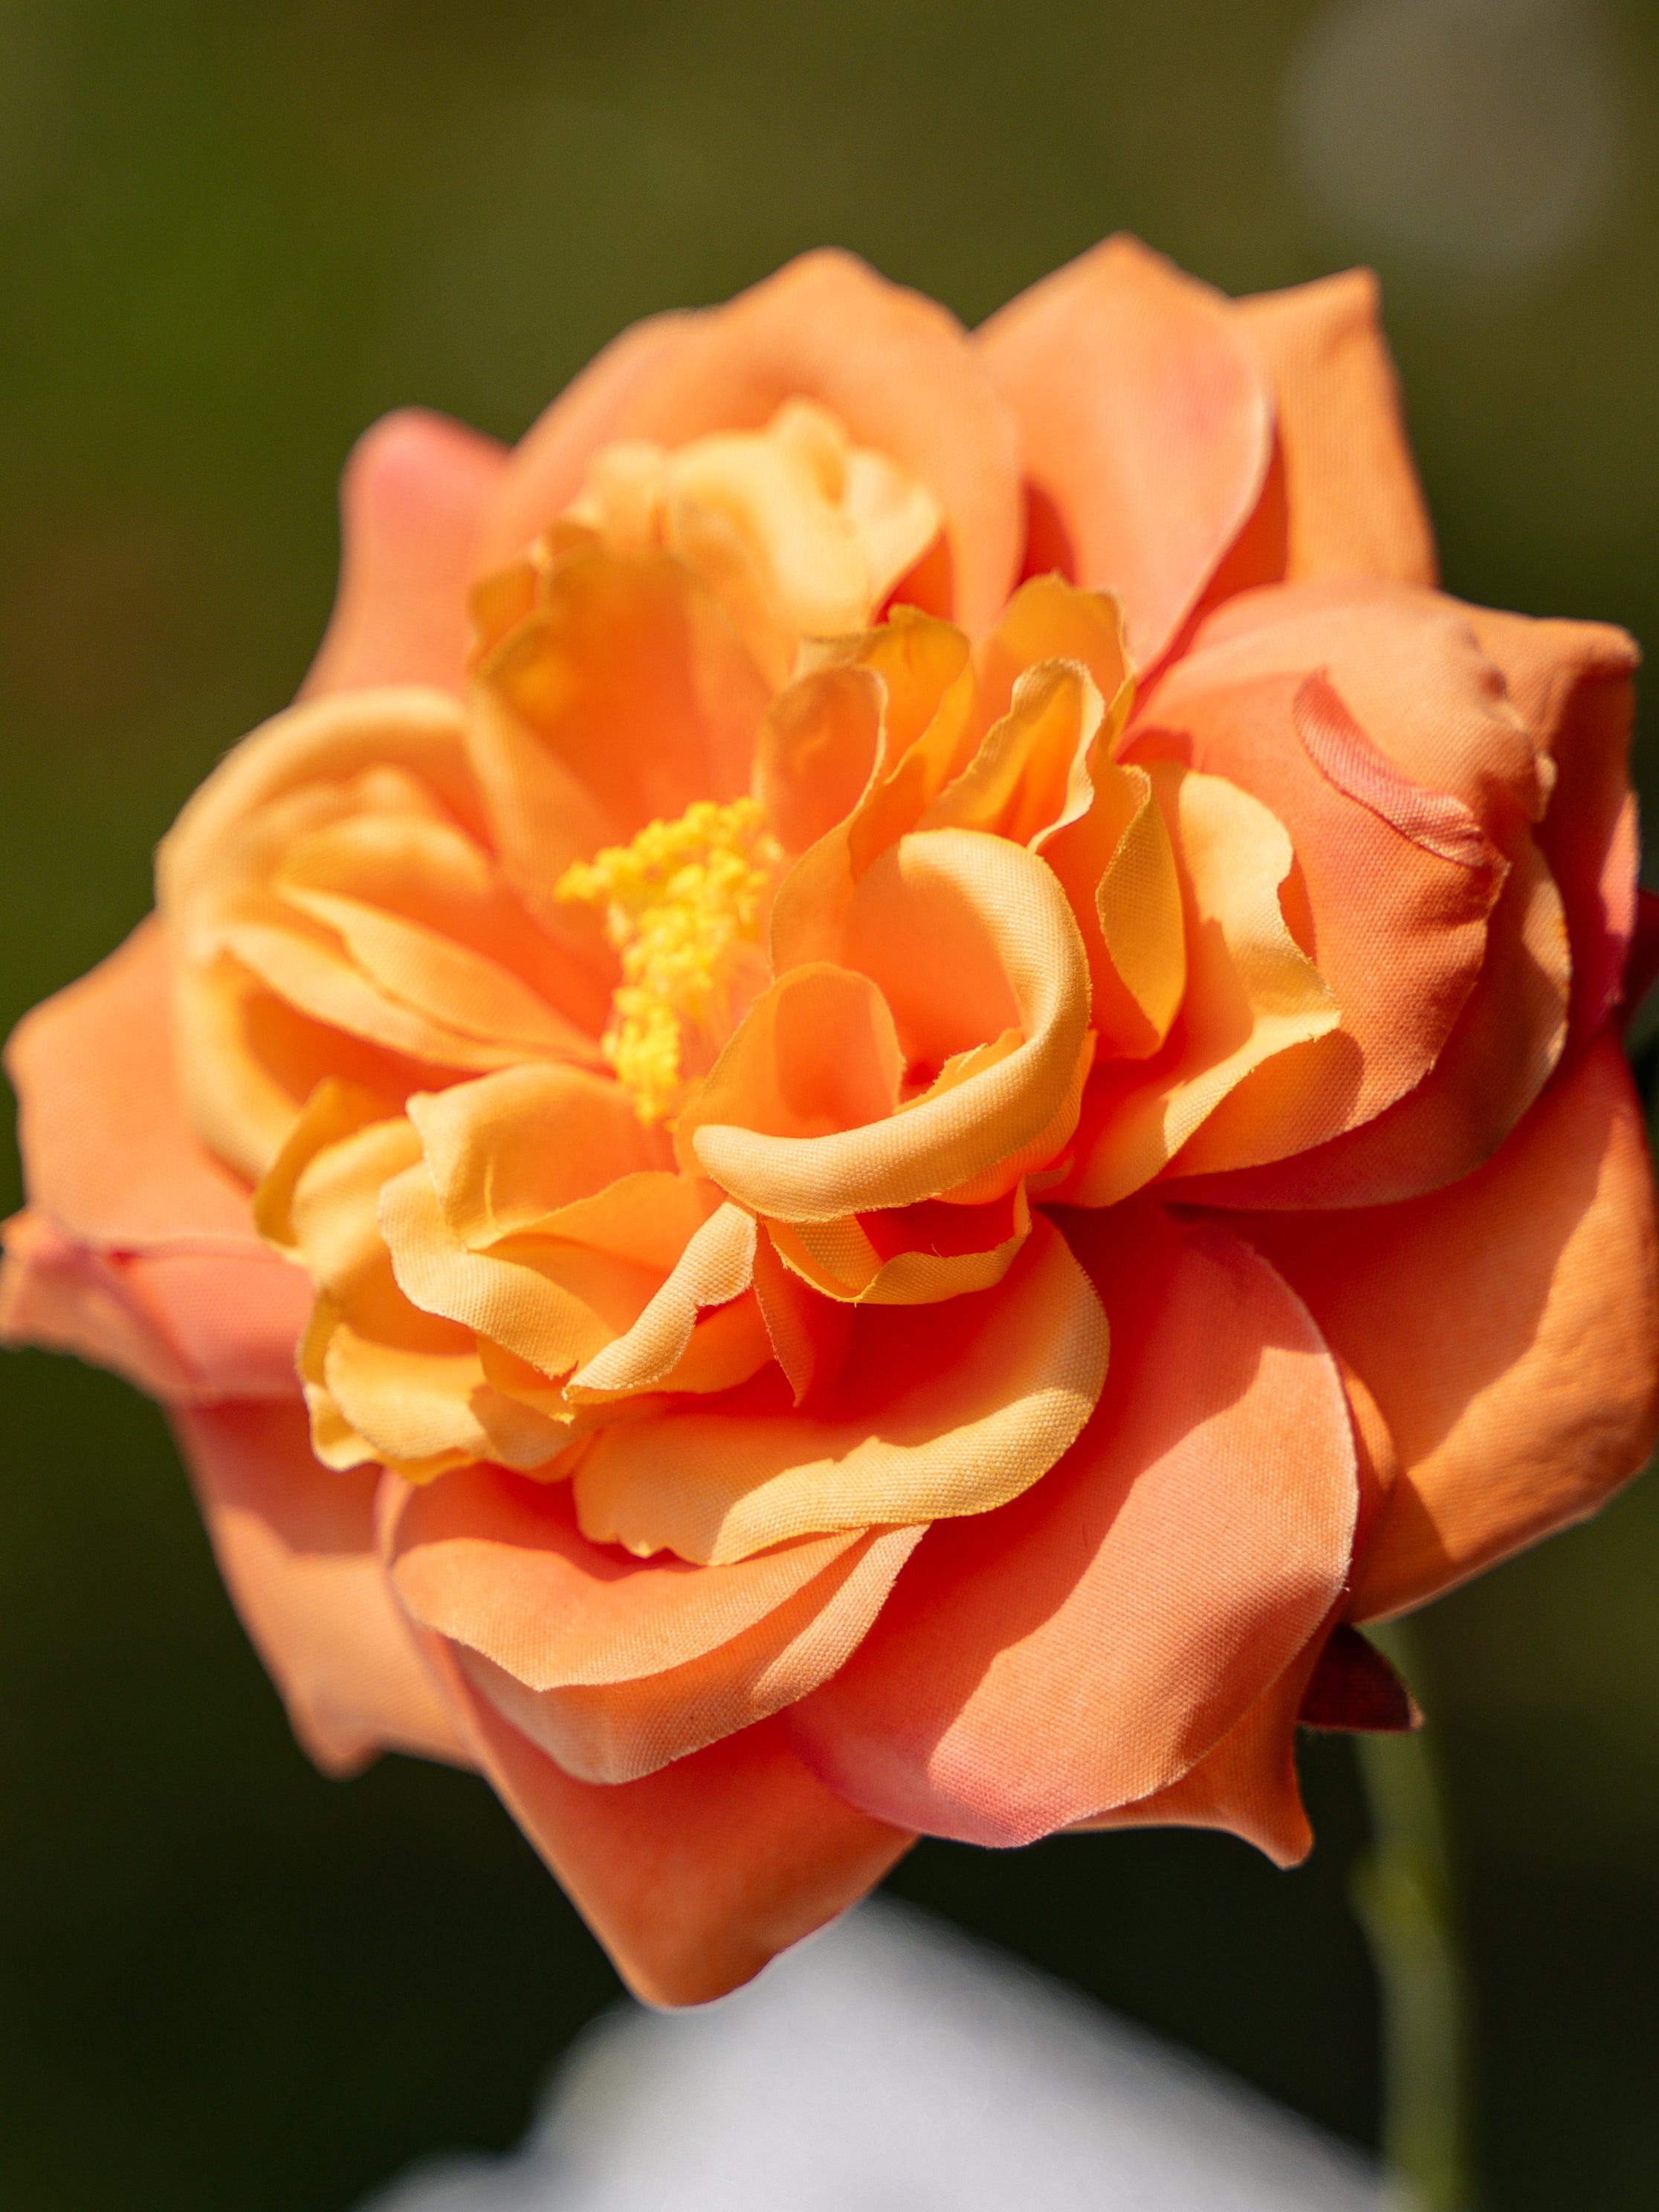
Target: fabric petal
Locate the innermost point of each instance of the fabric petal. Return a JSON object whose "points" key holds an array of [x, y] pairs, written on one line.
{"points": [[1148, 425], [1089, 1643], [896, 369], [297, 1549], [694, 1877], [1354, 505], [1508, 1328], [412, 501]]}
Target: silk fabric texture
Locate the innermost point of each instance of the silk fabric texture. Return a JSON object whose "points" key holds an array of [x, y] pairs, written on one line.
{"points": [[902, 1071]]}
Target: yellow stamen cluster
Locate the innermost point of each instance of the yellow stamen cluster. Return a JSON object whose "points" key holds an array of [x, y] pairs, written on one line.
{"points": [[685, 906]]}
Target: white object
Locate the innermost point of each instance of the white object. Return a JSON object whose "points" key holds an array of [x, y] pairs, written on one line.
{"points": [[892, 2065]]}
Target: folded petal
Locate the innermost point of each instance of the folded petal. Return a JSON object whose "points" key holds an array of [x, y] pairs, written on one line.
{"points": [[297, 1549], [1508, 1328], [412, 501], [694, 1877], [1354, 505], [1147, 423], [895, 368], [1089, 1643], [946, 1408], [615, 1732], [107, 1149]]}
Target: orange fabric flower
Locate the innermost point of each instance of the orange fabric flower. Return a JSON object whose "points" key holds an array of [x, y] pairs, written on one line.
{"points": [[913, 1052]]}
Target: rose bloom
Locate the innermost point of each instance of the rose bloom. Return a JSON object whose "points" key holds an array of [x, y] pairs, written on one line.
{"points": [[900, 1078]]}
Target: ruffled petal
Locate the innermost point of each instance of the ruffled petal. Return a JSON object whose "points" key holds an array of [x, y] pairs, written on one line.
{"points": [[946, 1408], [1148, 425], [1354, 505], [1088, 1645], [296, 1546], [895, 368], [412, 501], [1508, 1328], [695, 1876]]}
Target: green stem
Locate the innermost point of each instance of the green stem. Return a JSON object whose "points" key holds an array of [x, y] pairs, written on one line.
{"points": [[1403, 1894]]}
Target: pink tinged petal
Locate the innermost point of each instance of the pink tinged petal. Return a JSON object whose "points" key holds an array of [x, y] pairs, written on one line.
{"points": [[1508, 1329], [694, 1877], [1088, 1645], [107, 1149], [297, 1549], [66, 1297], [897, 368], [412, 501], [1147, 422], [1354, 506]]}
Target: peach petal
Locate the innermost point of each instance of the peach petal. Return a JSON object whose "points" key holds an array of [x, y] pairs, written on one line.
{"points": [[107, 1149], [296, 1546], [946, 1408], [1147, 423], [715, 1267], [1395, 884], [1571, 683], [1508, 1328], [896, 369], [908, 1255], [694, 1877], [1247, 1785], [412, 501], [1048, 619], [615, 1732], [1355, 508], [1089, 1643], [66, 1297], [967, 938], [814, 751]]}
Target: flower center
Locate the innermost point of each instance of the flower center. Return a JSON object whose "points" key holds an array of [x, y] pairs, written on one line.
{"points": [[685, 906]]}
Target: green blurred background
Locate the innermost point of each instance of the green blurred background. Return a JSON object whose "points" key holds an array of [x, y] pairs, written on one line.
{"points": [[229, 236]]}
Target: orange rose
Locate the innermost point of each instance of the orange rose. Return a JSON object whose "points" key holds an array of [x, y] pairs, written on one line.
{"points": [[920, 1052]]}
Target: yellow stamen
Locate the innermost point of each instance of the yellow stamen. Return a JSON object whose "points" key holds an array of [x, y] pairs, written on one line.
{"points": [[685, 905]]}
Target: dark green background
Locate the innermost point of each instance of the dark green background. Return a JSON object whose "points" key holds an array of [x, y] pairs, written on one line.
{"points": [[229, 236]]}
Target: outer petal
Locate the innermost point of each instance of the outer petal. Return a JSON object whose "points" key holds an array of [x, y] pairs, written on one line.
{"points": [[1354, 506], [297, 1550], [411, 501], [896, 367], [107, 1150], [695, 1876], [1147, 423], [1508, 1327], [1088, 1645]]}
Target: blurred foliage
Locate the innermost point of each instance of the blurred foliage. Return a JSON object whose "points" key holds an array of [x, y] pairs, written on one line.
{"points": [[230, 236]]}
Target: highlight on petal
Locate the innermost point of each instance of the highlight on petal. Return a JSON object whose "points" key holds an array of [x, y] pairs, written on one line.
{"points": [[693, 1877], [969, 941], [1090, 1643], [412, 501], [1354, 505], [1508, 1328], [296, 1546], [1147, 425], [1250, 992], [896, 369], [936, 1410]]}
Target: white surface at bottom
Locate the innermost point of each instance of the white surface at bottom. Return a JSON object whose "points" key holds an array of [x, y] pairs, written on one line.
{"points": [[892, 2065]]}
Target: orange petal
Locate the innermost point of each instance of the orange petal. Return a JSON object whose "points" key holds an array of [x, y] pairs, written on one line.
{"points": [[1507, 1327], [895, 368], [695, 1876], [946, 1408], [1090, 1642], [66, 1297], [1394, 885], [1355, 508], [1247, 1785], [297, 1550], [107, 1150], [969, 941], [1571, 683], [618, 1731], [412, 501], [1147, 424]]}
